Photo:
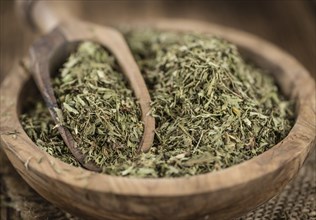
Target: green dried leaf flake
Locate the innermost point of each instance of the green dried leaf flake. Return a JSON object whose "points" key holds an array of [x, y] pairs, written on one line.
{"points": [[69, 108]]}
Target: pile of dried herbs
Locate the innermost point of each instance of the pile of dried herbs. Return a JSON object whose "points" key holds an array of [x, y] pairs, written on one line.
{"points": [[97, 107], [212, 108]]}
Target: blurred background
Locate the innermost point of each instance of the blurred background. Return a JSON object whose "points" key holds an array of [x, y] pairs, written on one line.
{"points": [[290, 24]]}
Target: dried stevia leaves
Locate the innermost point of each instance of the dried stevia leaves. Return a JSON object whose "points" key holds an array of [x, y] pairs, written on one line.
{"points": [[212, 109]]}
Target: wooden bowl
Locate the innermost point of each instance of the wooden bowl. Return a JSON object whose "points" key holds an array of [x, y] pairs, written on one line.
{"points": [[217, 195]]}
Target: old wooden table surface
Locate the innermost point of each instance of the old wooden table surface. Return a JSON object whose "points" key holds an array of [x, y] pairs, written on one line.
{"points": [[290, 24]]}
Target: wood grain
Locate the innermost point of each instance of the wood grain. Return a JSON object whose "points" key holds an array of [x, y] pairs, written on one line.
{"points": [[218, 195]]}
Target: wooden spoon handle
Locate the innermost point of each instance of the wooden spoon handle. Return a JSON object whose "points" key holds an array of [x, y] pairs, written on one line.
{"points": [[45, 15]]}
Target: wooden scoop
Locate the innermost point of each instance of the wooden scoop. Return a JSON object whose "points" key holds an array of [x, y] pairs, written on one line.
{"points": [[54, 47]]}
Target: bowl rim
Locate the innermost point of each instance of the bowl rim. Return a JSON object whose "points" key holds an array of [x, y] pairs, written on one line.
{"points": [[296, 145]]}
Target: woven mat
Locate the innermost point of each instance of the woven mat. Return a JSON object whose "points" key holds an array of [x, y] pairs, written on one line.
{"points": [[296, 201]]}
